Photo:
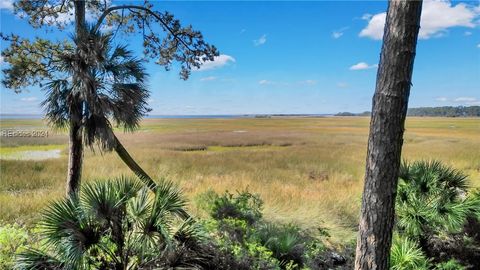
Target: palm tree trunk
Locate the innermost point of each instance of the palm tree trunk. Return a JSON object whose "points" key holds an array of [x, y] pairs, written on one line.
{"points": [[75, 158], [130, 162], [75, 151], [385, 141]]}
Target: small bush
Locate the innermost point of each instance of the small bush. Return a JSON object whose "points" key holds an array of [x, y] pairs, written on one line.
{"points": [[13, 239], [450, 265], [285, 241], [244, 206]]}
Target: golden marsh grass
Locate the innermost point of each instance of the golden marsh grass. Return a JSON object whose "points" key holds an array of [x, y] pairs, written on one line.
{"points": [[307, 170]]}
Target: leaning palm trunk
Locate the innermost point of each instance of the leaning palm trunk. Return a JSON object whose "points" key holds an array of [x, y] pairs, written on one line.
{"points": [[132, 164]]}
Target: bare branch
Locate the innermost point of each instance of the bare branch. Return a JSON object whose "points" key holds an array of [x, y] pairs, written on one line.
{"points": [[149, 11]]}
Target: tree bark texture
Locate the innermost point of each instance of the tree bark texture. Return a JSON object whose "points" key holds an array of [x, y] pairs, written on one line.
{"points": [[75, 151], [389, 109]]}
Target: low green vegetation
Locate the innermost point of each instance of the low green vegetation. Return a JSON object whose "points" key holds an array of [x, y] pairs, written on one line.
{"points": [[437, 219], [120, 224]]}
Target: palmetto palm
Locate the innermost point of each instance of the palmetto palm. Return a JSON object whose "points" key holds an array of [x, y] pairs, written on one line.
{"points": [[117, 224], [99, 85], [432, 198]]}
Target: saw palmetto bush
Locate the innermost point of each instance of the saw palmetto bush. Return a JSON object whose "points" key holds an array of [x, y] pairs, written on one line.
{"points": [[117, 224], [407, 255], [432, 198], [435, 211]]}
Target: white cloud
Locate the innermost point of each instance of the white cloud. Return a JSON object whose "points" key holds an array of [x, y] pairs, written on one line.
{"points": [[442, 99], [336, 34], [478, 45], [308, 82], [260, 41], [219, 61], [375, 26], [437, 17], [362, 66], [465, 99], [265, 82], [6, 4], [29, 99], [206, 79], [342, 85], [467, 33]]}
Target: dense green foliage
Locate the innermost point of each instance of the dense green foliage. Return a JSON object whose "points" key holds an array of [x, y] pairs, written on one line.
{"points": [[13, 239], [434, 211], [116, 224], [120, 223], [253, 243]]}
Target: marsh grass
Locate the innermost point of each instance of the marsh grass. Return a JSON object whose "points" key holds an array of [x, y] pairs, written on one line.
{"points": [[307, 170]]}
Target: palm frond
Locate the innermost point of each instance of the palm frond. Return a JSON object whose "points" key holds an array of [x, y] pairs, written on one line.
{"points": [[65, 226], [34, 259], [407, 255]]}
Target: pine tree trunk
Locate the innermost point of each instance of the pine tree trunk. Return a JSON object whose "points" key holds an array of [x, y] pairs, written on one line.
{"points": [[386, 134], [75, 151]]}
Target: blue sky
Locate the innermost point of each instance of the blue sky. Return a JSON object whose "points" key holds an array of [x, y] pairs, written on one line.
{"points": [[297, 57]]}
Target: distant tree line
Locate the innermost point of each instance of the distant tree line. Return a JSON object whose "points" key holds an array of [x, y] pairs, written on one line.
{"points": [[445, 111]]}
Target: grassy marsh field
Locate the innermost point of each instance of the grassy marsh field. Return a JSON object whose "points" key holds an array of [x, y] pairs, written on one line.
{"points": [[307, 170]]}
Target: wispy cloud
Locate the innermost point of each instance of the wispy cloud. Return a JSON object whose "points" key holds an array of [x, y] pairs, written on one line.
{"points": [[442, 99], [280, 83], [336, 34], [29, 99], [266, 82], [209, 78], [437, 17], [467, 33], [465, 99], [219, 61], [469, 101], [308, 82], [260, 41], [342, 85], [362, 66]]}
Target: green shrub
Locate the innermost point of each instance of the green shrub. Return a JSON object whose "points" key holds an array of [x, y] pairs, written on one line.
{"points": [[430, 199], [450, 265], [118, 224], [407, 255], [13, 239], [244, 206], [436, 209], [285, 241]]}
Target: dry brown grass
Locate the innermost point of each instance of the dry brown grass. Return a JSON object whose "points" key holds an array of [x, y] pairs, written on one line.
{"points": [[308, 170]]}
